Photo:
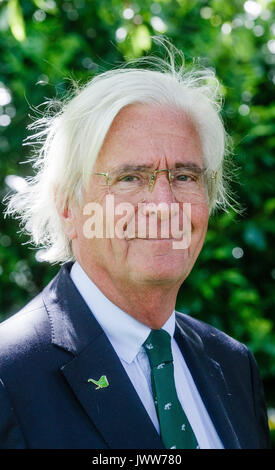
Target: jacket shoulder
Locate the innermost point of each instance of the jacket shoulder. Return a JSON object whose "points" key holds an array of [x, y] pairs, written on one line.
{"points": [[212, 338], [21, 333]]}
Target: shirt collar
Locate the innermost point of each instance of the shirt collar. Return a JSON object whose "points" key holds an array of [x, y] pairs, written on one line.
{"points": [[124, 332]]}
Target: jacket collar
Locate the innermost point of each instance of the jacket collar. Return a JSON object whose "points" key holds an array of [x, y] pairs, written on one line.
{"points": [[72, 325]]}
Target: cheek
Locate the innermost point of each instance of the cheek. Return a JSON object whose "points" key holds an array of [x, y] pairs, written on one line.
{"points": [[199, 218]]}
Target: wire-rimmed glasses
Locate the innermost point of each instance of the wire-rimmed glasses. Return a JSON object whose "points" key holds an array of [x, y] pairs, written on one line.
{"points": [[187, 183]]}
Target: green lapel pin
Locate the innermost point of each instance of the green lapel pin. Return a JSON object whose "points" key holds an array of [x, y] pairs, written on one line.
{"points": [[101, 383]]}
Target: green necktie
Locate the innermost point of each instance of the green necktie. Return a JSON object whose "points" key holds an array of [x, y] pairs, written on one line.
{"points": [[175, 429]]}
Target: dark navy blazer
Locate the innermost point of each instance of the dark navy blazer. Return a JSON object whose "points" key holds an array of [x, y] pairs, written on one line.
{"points": [[50, 349]]}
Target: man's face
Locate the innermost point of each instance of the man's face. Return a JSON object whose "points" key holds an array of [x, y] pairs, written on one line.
{"points": [[158, 138]]}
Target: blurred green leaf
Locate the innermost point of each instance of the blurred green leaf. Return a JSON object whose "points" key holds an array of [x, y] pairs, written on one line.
{"points": [[16, 20], [140, 40], [254, 236], [47, 5], [269, 206], [234, 277]]}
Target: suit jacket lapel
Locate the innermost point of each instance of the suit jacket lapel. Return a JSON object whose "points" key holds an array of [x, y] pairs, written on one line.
{"points": [[116, 411], [209, 379]]}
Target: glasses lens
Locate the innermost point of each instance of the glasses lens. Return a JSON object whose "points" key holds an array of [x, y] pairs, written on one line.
{"points": [[129, 182], [188, 184]]}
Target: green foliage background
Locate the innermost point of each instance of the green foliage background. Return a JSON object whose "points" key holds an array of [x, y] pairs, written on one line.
{"points": [[44, 44]]}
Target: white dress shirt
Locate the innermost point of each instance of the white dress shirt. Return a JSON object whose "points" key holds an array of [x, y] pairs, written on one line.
{"points": [[127, 335]]}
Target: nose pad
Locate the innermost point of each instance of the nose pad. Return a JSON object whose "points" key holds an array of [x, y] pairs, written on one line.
{"points": [[159, 179], [161, 190]]}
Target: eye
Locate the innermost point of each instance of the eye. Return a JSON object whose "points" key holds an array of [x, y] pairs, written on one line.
{"points": [[184, 177], [128, 178]]}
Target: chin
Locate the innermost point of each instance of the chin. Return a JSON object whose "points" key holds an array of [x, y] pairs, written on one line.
{"points": [[161, 270]]}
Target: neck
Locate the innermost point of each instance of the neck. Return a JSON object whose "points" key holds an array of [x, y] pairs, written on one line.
{"points": [[149, 303]]}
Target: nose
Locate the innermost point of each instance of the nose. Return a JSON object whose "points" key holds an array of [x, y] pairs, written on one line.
{"points": [[161, 191], [159, 205]]}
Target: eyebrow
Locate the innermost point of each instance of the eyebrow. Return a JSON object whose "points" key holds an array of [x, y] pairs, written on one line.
{"points": [[186, 165], [189, 165], [133, 168]]}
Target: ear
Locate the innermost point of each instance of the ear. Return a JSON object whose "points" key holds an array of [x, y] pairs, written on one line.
{"points": [[68, 220]]}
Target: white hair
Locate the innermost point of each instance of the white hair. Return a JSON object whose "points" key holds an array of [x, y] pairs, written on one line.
{"points": [[69, 140]]}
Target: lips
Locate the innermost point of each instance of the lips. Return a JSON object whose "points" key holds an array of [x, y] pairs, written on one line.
{"points": [[156, 239]]}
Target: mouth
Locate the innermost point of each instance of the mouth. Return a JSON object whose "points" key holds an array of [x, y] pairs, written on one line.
{"points": [[167, 244], [153, 239]]}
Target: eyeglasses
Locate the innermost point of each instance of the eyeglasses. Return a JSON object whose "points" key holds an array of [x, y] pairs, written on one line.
{"points": [[187, 183]]}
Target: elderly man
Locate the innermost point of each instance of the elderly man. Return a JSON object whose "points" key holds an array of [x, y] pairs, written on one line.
{"points": [[100, 359]]}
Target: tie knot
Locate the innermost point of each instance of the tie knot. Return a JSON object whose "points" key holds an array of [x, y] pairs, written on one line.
{"points": [[158, 347]]}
